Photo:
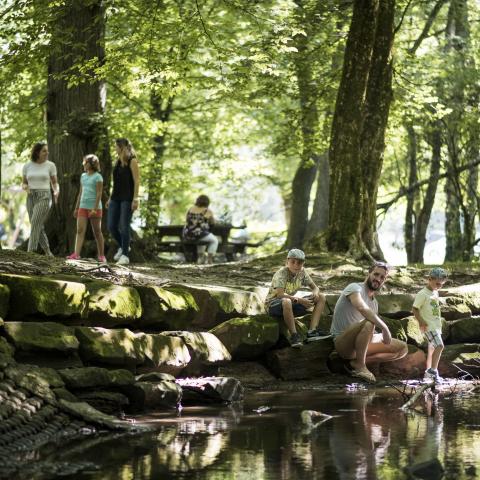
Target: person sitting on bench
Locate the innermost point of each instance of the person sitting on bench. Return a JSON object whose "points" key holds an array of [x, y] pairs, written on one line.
{"points": [[197, 228]]}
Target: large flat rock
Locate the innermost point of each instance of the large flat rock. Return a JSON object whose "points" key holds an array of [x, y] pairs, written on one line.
{"points": [[310, 361], [34, 296], [171, 308], [113, 305], [217, 304], [163, 353], [117, 347], [248, 338], [41, 337], [460, 360]]}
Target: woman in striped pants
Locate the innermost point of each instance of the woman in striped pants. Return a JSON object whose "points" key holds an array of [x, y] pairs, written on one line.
{"points": [[38, 175]]}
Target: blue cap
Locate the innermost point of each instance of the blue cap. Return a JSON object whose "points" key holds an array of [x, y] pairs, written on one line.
{"points": [[438, 272], [296, 253]]}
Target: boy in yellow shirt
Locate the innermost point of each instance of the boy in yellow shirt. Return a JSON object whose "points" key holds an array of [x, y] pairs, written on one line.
{"points": [[426, 308]]}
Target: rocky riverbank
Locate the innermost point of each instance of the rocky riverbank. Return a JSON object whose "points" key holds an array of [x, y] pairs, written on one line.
{"points": [[84, 344]]}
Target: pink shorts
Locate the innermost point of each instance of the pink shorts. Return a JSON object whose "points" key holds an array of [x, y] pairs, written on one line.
{"points": [[85, 212]]}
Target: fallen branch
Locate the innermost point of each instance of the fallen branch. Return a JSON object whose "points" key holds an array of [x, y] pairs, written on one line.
{"points": [[415, 397]]}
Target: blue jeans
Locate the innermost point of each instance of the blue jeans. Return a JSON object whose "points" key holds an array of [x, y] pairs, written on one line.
{"points": [[119, 217]]}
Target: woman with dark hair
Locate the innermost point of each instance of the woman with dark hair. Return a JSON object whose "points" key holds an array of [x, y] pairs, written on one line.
{"points": [[123, 200], [197, 228], [39, 178]]}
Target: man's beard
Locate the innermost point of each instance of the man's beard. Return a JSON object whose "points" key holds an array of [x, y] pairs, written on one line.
{"points": [[371, 286]]}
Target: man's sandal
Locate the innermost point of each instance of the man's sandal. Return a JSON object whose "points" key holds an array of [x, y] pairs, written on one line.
{"points": [[363, 373]]}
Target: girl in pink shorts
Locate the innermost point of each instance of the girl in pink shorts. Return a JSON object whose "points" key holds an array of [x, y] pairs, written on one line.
{"points": [[89, 207]]}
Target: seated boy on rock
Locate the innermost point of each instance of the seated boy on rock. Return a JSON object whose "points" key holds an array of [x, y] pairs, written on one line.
{"points": [[282, 302]]}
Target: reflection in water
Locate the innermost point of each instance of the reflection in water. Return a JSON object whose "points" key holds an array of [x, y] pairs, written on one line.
{"points": [[369, 437]]}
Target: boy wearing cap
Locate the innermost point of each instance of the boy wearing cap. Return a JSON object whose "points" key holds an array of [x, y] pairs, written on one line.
{"points": [[282, 302], [426, 308]]}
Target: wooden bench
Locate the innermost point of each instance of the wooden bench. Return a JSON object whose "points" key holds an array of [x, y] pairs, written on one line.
{"points": [[189, 248]]}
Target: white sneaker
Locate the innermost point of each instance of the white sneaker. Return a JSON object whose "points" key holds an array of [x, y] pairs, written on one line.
{"points": [[117, 256], [123, 260]]}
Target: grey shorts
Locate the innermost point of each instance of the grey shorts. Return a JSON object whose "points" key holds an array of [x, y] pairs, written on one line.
{"points": [[434, 338]]}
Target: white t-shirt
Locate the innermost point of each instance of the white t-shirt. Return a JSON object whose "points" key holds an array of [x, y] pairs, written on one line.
{"points": [[38, 174], [428, 305]]}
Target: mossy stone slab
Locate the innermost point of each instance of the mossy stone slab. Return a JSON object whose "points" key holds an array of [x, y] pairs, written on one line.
{"points": [[44, 296]]}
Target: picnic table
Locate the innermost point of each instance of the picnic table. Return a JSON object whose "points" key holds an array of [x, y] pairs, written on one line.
{"points": [[169, 239]]}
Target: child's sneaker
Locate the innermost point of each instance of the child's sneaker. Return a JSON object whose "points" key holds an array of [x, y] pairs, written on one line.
{"points": [[102, 259], [117, 256], [316, 334], [73, 256], [432, 374], [296, 340]]}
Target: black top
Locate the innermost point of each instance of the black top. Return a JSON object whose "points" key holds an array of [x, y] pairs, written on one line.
{"points": [[122, 182]]}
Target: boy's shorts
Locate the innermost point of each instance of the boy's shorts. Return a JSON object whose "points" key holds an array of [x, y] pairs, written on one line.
{"points": [[434, 338], [275, 308]]}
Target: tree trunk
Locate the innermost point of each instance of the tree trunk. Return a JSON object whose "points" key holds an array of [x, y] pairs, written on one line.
{"points": [[75, 107], [425, 213], [412, 197], [319, 219], [155, 172], [376, 110], [306, 171], [358, 130]]}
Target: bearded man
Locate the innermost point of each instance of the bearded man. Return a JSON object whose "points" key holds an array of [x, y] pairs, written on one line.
{"points": [[353, 326]]}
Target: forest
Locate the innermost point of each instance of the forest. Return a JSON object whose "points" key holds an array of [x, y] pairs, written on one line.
{"points": [[346, 110]]}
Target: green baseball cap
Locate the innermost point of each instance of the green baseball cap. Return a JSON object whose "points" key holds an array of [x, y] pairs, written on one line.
{"points": [[296, 253]]}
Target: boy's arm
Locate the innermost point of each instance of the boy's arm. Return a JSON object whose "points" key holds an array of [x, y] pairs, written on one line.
{"points": [[280, 293], [418, 316], [315, 290]]}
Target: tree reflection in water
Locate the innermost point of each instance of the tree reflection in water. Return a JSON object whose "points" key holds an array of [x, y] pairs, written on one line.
{"points": [[369, 438]]}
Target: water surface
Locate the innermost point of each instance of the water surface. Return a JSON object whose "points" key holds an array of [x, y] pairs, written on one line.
{"points": [[369, 437]]}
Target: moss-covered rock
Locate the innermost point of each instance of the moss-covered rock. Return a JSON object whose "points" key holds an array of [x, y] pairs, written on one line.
{"points": [[172, 308], [4, 300], [163, 353], [205, 349], [469, 294], [465, 330], [412, 331], [459, 360], [101, 346], [247, 338], [453, 308], [93, 377], [41, 337], [112, 305], [33, 296], [395, 305], [217, 304], [396, 328]]}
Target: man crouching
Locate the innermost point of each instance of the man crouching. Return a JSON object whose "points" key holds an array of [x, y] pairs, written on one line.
{"points": [[353, 326]]}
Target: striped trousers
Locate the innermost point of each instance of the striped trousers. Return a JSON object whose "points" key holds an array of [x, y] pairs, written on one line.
{"points": [[38, 206]]}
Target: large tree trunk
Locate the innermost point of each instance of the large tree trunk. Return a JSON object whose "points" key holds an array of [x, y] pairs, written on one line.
{"points": [[75, 107], [376, 109], [461, 209], [162, 113], [306, 171], [358, 130]]}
